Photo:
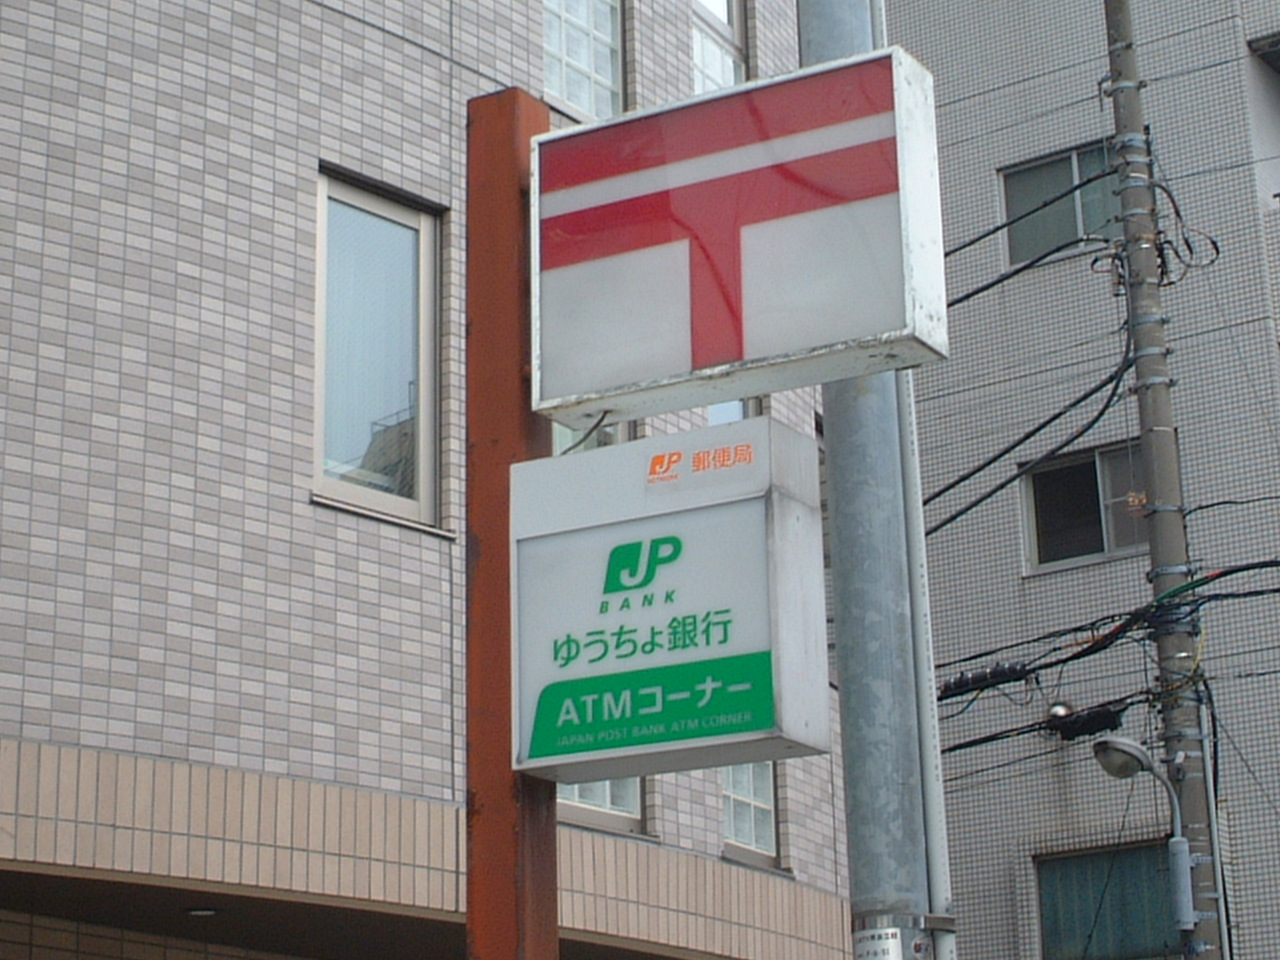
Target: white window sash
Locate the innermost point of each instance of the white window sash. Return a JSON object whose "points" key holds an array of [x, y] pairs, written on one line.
{"points": [[421, 508]]}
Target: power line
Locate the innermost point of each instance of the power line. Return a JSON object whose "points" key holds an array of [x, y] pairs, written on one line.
{"points": [[1083, 61], [1002, 765], [1022, 471], [1111, 863], [992, 231], [1023, 268], [986, 132], [1253, 774], [1023, 373], [1121, 625], [1230, 503], [1043, 424], [1117, 706]]}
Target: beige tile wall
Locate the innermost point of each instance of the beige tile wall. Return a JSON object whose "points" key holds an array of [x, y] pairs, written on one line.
{"points": [[27, 937], [89, 809]]}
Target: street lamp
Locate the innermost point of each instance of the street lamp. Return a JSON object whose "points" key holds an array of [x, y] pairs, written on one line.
{"points": [[1123, 758]]}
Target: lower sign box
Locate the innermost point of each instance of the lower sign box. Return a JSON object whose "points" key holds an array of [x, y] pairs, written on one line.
{"points": [[668, 605]]}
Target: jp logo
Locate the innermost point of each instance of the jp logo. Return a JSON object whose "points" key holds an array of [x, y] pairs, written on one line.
{"points": [[634, 565]]}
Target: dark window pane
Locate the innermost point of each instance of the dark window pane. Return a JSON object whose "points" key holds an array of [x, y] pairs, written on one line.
{"points": [[1114, 903], [1068, 518], [1026, 189], [1099, 204]]}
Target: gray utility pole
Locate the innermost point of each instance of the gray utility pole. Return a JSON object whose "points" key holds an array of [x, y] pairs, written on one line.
{"points": [[1176, 634], [898, 867]]}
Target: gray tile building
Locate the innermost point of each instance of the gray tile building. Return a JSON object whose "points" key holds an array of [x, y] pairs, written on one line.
{"points": [[233, 551], [1050, 857], [232, 529]]}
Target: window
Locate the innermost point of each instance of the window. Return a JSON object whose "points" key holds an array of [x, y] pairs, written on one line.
{"points": [[1090, 212], [718, 57], [1088, 504], [749, 820], [582, 55], [376, 309], [604, 804], [620, 796], [1107, 905]]}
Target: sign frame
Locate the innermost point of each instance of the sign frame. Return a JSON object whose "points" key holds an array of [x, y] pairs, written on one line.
{"points": [[604, 496], [922, 337]]}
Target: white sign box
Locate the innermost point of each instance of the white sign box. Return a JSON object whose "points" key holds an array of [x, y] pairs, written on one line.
{"points": [[668, 608], [777, 235]]}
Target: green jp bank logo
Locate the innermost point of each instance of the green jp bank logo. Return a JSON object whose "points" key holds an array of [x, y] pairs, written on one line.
{"points": [[686, 678], [633, 566]]}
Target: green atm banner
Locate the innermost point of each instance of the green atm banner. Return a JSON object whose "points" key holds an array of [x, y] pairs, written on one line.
{"points": [[707, 698]]}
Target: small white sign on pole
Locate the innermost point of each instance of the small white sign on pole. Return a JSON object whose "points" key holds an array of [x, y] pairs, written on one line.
{"points": [[668, 609], [777, 235]]}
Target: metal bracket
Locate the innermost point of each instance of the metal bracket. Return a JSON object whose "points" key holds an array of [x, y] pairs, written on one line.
{"points": [[1181, 568], [1121, 140], [927, 922], [1118, 85], [1147, 382], [1149, 318], [1152, 352]]}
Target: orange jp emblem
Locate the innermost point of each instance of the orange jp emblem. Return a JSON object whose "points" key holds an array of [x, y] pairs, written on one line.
{"points": [[662, 466]]}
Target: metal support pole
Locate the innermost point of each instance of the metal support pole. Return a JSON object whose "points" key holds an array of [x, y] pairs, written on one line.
{"points": [[879, 593], [937, 847], [1175, 639], [511, 818]]}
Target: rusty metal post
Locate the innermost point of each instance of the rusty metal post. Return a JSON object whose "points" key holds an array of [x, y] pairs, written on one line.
{"points": [[511, 818]]}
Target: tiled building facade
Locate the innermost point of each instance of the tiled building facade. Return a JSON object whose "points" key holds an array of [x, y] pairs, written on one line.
{"points": [[229, 684], [231, 668], [1018, 94]]}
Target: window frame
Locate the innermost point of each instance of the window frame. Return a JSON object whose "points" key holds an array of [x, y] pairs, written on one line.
{"points": [[618, 91], [1076, 198], [423, 510], [602, 817], [750, 854], [1030, 525], [730, 36]]}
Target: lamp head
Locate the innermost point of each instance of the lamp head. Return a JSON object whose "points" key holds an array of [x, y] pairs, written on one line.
{"points": [[1122, 757]]}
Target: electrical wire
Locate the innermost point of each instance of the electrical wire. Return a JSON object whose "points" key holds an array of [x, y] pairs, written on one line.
{"points": [[1256, 674], [1193, 675], [1023, 267], [992, 231], [1120, 705], [1229, 503], [1091, 627], [1253, 774], [986, 132], [1111, 863], [1019, 371], [1124, 621], [968, 703], [586, 436], [1083, 61], [1022, 471], [1003, 764], [1225, 168], [1034, 431]]}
